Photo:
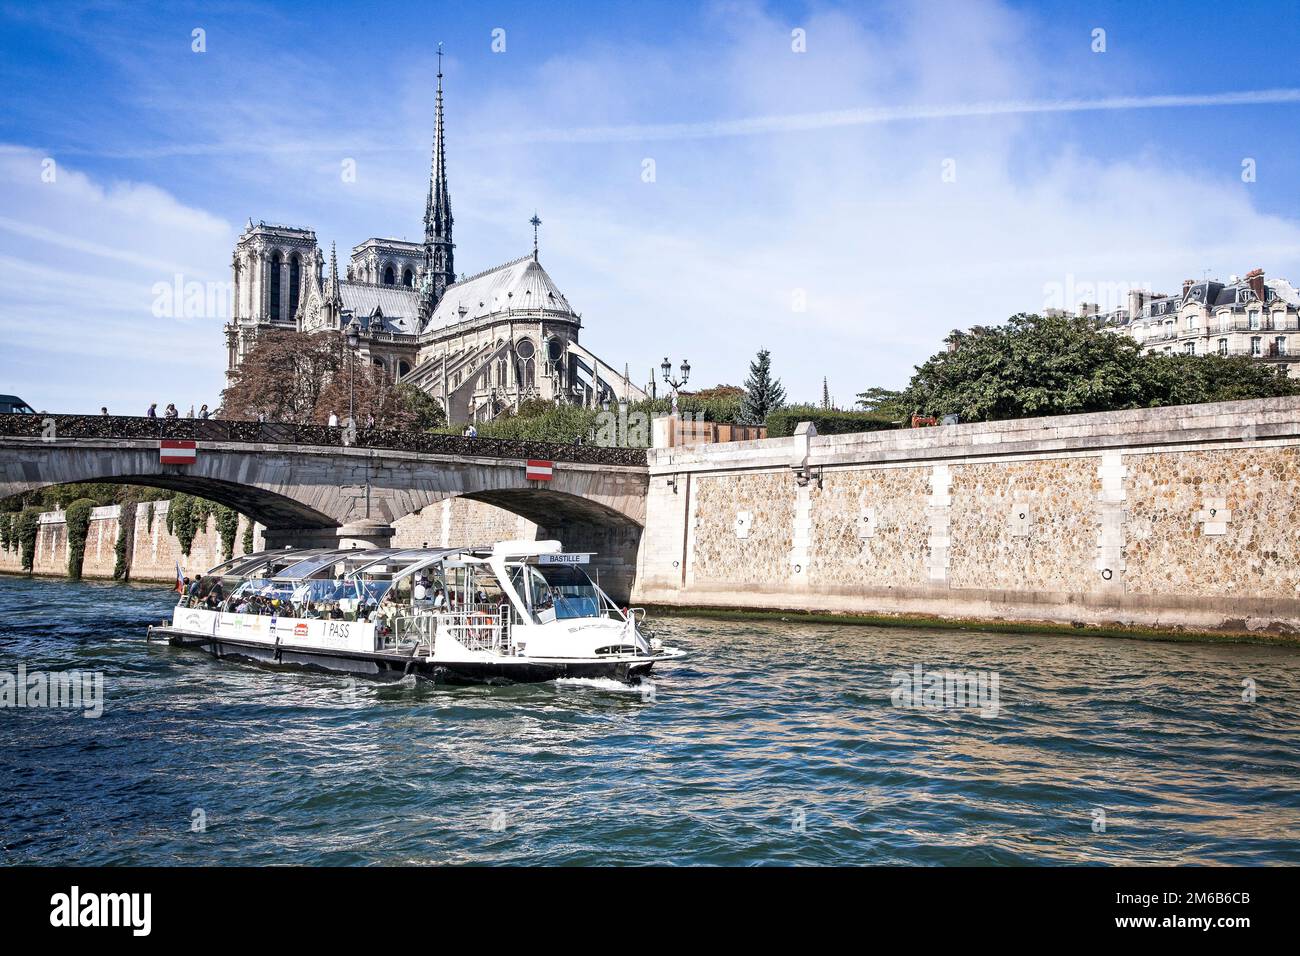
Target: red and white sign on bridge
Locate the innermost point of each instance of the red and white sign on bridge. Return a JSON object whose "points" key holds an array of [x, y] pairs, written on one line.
{"points": [[174, 452], [536, 470]]}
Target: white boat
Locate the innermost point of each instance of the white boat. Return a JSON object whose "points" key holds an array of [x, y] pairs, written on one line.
{"points": [[516, 612]]}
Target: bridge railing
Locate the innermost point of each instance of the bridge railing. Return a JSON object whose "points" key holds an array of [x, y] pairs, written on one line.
{"points": [[64, 427]]}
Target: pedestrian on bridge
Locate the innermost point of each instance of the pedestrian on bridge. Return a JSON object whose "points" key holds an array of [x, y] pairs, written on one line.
{"points": [[204, 413], [334, 420], [153, 411]]}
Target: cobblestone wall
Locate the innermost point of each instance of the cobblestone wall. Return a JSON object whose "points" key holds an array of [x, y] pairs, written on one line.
{"points": [[1250, 545], [870, 526], [1179, 517]]}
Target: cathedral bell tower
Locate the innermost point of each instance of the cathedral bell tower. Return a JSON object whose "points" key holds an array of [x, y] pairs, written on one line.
{"points": [[439, 268]]}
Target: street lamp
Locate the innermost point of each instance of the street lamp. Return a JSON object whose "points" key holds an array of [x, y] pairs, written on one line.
{"points": [[673, 383]]}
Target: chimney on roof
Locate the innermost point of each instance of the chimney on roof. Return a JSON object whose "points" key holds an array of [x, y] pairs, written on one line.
{"points": [[1255, 279], [1187, 284], [1137, 298]]}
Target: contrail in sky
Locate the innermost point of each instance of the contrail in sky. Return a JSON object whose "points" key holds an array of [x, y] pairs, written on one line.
{"points": [[371, 142], [795, 122]]}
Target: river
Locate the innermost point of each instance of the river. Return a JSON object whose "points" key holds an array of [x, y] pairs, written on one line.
{"points": [[774, 743]]}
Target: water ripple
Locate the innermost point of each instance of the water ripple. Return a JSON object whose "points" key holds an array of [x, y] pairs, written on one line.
{"points": [[775, 743]]}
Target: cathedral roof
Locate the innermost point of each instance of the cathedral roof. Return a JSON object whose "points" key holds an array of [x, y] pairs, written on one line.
{"points": [[522, 285], [398, 305]]}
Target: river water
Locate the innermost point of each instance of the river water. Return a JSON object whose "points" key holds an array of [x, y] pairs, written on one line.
{"points": [[774, 743]]}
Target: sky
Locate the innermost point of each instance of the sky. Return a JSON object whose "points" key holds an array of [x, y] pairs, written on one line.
{"points": [[839, 183]]}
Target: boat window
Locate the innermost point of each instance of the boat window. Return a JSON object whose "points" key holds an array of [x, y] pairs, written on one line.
{"points": [[565, 589]]}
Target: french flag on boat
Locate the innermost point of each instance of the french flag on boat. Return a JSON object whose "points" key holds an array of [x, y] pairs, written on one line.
{"points": [[174, 452], [536, 470]]}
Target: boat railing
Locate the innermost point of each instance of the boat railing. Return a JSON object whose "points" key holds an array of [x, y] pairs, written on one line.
{"points": [[409, 629], [480, 627]]}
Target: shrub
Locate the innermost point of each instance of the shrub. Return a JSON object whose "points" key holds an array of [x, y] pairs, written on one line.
{"points": [[782, 423], [543, 421], [182, 521], [248, 537], [77, 519], [28, 526], [125, 536], [227, 527]]}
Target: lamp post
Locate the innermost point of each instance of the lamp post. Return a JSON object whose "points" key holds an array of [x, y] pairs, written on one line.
{"points": [[667, 368]]}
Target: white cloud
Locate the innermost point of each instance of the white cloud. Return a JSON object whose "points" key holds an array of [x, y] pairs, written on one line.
{"points": [[849, 209], [79, 260], [834, 190]]}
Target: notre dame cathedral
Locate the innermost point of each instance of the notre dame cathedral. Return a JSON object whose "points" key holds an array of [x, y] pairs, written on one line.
{"points": [[481, 344]]}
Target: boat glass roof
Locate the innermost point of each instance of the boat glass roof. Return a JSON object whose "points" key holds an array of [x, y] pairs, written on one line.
{"points": [[296, 564]]}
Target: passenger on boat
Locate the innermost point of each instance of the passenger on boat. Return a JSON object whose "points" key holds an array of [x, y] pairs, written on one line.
{"points": [[215, 596], [439, 599], [421, 592], [192, 592]]}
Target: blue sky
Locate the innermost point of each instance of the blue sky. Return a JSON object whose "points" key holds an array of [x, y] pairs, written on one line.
{"points": [[781, 177]]}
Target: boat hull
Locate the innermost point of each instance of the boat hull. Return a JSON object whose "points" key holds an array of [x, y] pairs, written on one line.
{"points": [[384, 664]]}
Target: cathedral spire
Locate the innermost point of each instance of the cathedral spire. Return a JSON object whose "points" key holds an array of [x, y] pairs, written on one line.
{"points": [[438, 247], [334, 297], [333, 288]]}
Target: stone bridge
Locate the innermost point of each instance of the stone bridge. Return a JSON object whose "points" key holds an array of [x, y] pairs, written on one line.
{"points": [[314, 485]]}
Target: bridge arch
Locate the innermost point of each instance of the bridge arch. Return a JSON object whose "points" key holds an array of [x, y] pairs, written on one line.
{"points": [[317, 494]]}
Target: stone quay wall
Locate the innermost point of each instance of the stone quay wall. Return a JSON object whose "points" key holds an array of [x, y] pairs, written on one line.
{"points": [[1172, 518], [155, 552]]}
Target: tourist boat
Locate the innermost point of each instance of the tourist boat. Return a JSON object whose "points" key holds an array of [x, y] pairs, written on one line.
{"points": [[516, 612]]}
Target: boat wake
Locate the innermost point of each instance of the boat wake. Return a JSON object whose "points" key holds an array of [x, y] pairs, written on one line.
{"points": [[645, 688]]}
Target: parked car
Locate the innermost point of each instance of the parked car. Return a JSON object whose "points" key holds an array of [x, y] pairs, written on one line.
{"points": [[12, 404]]}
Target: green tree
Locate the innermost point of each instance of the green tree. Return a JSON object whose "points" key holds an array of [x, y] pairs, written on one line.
{"points": [[1031, 366], [1059, 365], [885, 402], [1190, 379], [763, 393], [421, 411]]}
